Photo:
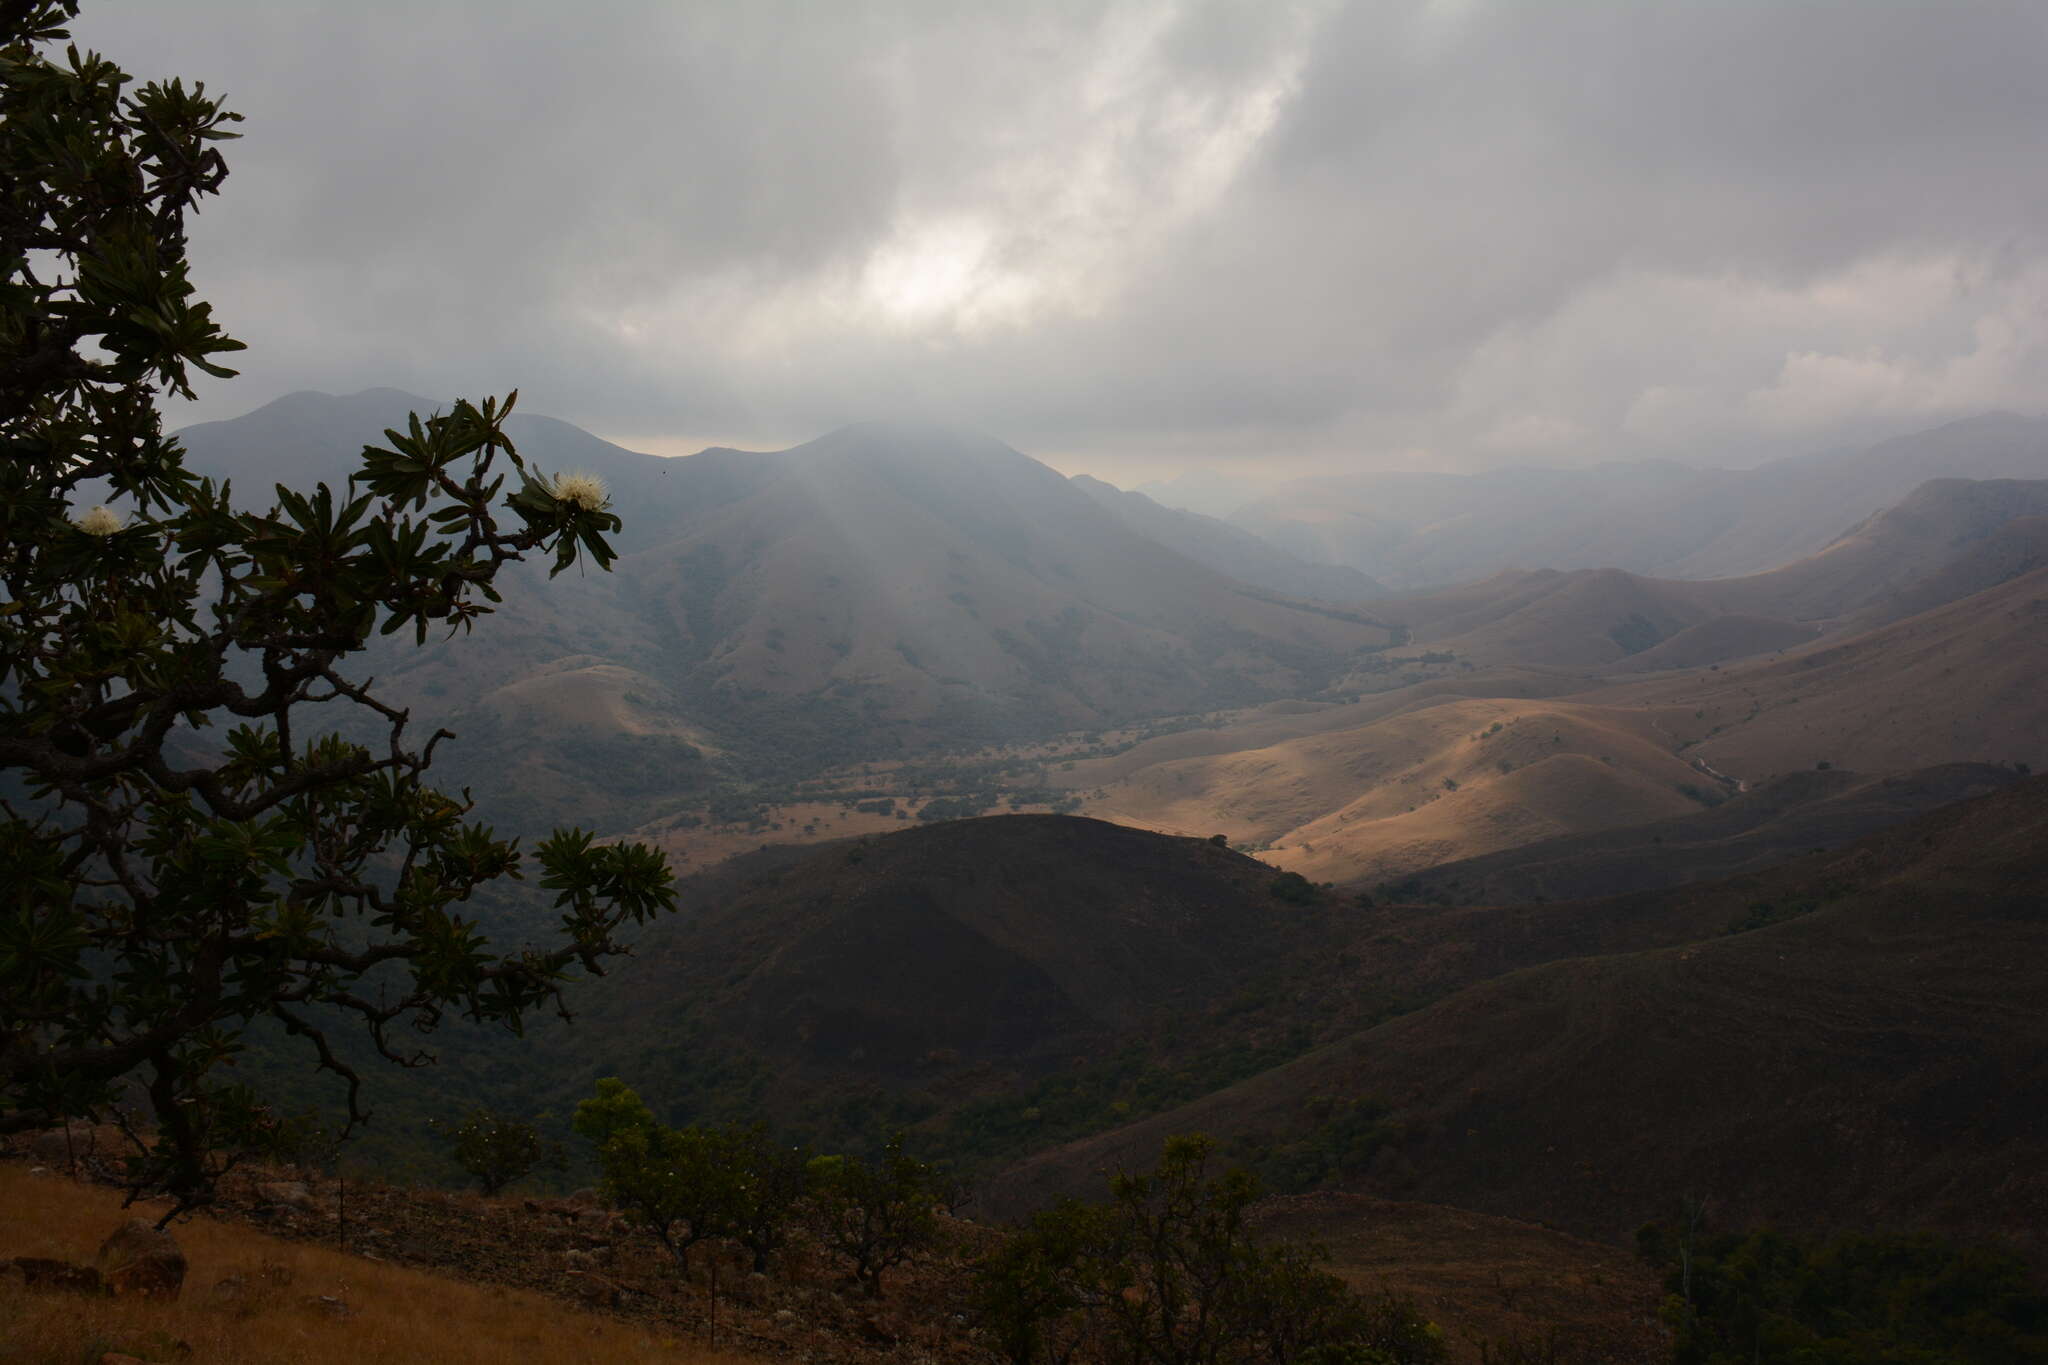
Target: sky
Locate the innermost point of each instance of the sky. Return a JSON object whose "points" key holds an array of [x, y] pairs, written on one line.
{"points": [[1131, 239]]}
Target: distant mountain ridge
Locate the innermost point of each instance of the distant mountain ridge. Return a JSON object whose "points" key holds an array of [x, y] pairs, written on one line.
{"points": [[1417, 529], [1230, 549]]}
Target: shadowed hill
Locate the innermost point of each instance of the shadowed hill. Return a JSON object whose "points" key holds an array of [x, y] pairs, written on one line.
{"points": [[913, 971], [1870, 1048], [1780, 819]]}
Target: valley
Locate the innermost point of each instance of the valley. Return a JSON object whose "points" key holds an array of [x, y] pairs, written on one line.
{"points": [[1552, 895]]}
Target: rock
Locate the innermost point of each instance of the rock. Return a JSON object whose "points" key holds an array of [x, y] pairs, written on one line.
{"points": [[142, 1261], [38, 1170], [585, 1198], [594, 1290], [328, 1305], [600, 1223], [291, 1194], [38, 1272]]}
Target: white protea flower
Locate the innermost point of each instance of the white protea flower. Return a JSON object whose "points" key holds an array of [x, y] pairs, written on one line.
{"points": [[101, 521], [584, 489]]}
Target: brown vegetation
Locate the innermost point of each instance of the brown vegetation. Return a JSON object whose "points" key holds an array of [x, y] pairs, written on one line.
{"points": [[250, 1297]]}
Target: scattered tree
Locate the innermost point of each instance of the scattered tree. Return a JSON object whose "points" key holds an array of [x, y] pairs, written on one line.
{"points": [[498, 1149], [877, 1214], [184, 847]]}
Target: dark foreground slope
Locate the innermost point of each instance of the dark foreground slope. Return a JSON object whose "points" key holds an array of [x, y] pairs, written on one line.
{"points": [[1869, 1044], [895, 979]]}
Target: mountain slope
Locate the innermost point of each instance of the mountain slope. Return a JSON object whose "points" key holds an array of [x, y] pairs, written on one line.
{"points": [[1877, 1051], [1228, 549], [1788, 815], [913, 972], [882, 589]]}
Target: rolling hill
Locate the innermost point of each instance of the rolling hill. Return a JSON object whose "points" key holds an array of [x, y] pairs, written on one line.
{"points": [[1854, 1037], [901, 977], [1773, 822]]}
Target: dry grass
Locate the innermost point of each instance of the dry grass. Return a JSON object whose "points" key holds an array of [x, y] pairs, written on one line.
{"points": [[397, 1316]]}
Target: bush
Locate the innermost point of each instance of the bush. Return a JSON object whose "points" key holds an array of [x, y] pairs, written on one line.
{"points": [[1762, 1297], [1166, 1271]]}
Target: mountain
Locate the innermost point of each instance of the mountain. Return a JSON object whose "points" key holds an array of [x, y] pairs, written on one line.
{"points": [[1947, 539], [1413, 529], [882, 589], [1229, 550], [1853, 1038]]}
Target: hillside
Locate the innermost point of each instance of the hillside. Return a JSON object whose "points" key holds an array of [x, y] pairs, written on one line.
{"points": [[1947, 539], [1956, 684], [1230, 550], [1773, 822], [882, 589], [914, 972], [1450, 778], [1872, 1051]]}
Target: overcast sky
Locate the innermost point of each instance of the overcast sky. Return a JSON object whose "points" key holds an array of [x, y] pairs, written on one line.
{"points": [[1129, 238]]}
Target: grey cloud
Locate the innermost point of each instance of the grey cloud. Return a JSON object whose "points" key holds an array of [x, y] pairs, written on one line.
{"points": [[1447, 232]]}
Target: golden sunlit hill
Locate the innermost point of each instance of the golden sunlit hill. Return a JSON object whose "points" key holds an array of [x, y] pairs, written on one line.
{"points": [[1450, 780]]}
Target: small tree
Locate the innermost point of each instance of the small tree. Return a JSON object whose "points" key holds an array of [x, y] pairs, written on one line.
{"points": [[498, 1149], [183, 851], [774, 1177], [682, 1184], [879, 1215]]}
